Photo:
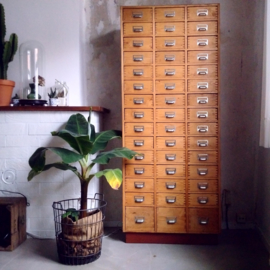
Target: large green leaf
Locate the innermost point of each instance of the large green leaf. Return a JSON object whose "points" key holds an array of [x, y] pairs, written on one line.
{"points": [[102, 139], [77, 125], [104, 157], [113, 176]]}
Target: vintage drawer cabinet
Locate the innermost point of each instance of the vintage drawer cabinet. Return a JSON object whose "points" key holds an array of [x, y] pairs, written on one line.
{"points": [[170, 94]]}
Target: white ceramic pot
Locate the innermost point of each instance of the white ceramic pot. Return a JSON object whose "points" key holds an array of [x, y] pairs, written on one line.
{"points": [[53, 101]]}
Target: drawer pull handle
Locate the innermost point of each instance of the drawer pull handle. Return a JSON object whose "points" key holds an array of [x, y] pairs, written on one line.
{"points": [[169, 14], [139, 220], [169, 28], [138, 86], [202, 71], [202, 186], [169, 114], [137, 43], [171, 220], [202, 42], [202, 129], [138, 100], [138, 72], [170, 185], [138, 143], [170, 100], [169, 58], [137, 14], [170, 171], [139, 185], [202, 12], [169, 72], [202, 85], [139, 199], [203, 221], [202, 143], [139, 157], [170, 199], [170, 143], [202, 114], [202, 27], [138, 128], [139, 171], [170, 129], [137, 58], [202, 172], [138, 115], [202, 157], [202, 56], [202, 200], [170, 86], [169, 43], [202, 100], [170, 157], [137, 29]]}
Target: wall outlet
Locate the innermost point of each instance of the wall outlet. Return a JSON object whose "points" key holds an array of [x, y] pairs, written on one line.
{"points": [[241, 218]]}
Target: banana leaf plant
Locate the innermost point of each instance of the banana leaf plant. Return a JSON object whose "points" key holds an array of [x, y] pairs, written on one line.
{"points": [[80, 134]]}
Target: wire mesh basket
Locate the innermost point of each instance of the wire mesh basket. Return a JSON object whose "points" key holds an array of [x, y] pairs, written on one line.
{"points": [[79, 240]]}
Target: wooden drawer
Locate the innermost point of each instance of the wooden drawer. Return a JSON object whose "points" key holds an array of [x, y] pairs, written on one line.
{"points": [[171, 29], [172, 143], [203, 186], [170, 58], [202, 13], [133, 58], [203, 72], [139, 219], [170, 72], [138, 87], [139, 143], [138, 29], [144, 157], [170, 157], [139, 115], [207, 129], [138, 101], [138, 72], [170, 43], [170, 101], [202, 28], [202, 157], [202, 143], [165, 185], [170, 129], [171, 220], [202, 100], [139, 199], [170, 115], [203, 200], [202, 57], [203, 220], [202, 171], [139, 171], [168, 14], [170, 171], [143, 129], [143, 185], [138, 44], [170, 199], [170, 87], [202, 43], [202, 115], [205, 86], [137, 14]]}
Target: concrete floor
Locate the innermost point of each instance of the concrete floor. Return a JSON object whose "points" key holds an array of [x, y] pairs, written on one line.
{"points": [[237, 250]]}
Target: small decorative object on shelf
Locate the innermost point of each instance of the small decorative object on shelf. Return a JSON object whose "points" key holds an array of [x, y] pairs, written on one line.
{"points": [[53, 98], [62, 90], [15, 99]]}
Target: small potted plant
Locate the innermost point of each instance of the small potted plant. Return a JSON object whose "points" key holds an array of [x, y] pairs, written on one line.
{"points": [[53, 98], [79, 226]]}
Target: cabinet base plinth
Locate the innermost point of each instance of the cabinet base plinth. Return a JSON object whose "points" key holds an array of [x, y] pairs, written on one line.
{"points": [[170, 238]]}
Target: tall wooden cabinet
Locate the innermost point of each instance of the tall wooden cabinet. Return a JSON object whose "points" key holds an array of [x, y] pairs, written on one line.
{"points": [[170, 108]]}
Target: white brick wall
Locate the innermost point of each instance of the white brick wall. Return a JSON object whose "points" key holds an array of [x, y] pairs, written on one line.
{"points": [[20, 135]]}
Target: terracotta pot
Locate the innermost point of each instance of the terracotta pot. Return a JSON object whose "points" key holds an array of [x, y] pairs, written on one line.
{"points": [[6, 89]]}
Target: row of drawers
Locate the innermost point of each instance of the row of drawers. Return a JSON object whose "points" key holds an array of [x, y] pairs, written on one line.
{"points": [[172, 220], [169, 14]]}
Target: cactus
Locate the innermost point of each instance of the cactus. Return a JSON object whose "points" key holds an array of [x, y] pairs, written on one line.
{"points": [[53, 93], [7, 48]]}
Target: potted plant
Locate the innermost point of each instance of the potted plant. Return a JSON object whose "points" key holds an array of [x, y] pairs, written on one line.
{"points": [[7, 52], [79, 229], [53, 97]]}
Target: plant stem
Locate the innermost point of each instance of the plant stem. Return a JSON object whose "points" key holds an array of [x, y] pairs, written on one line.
{"points": [[84, 189]]}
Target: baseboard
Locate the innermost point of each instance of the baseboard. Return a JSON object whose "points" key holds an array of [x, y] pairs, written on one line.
{"points": [[112, 224]]}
